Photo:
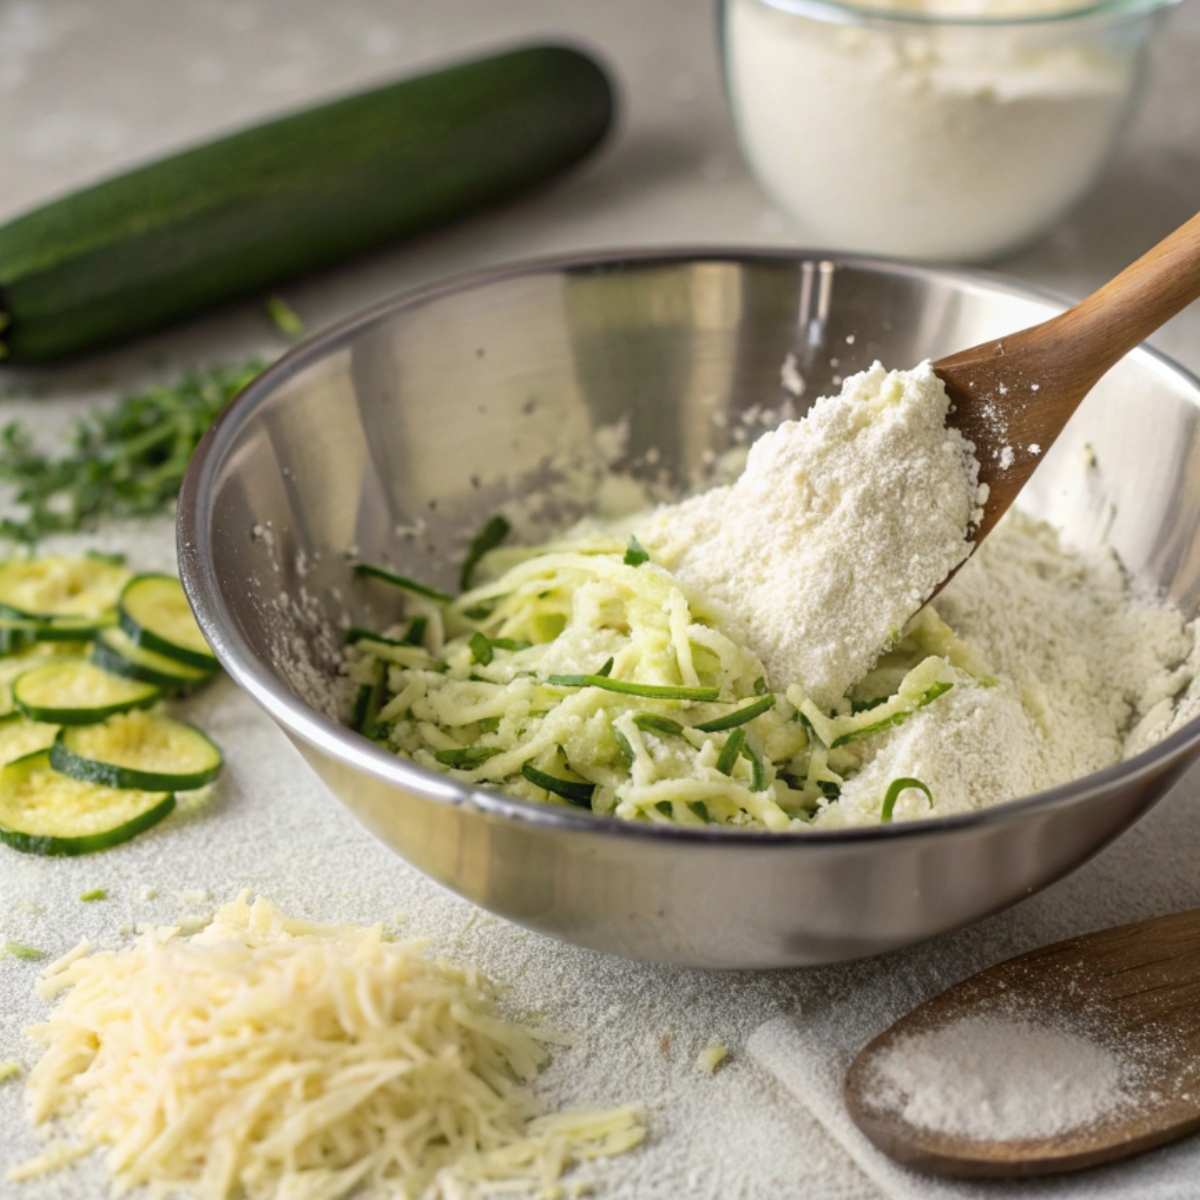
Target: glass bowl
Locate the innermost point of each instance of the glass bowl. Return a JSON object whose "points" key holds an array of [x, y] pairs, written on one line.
{"points": [[953, 138]]}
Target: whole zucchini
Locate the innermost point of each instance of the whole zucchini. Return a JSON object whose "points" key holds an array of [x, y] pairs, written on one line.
{"points": [[237, 215]]}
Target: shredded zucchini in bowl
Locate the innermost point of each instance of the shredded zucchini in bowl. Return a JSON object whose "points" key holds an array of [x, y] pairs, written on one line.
{"points": [[582, 673]]}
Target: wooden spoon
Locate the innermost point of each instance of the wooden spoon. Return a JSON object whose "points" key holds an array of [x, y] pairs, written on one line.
{"points": [[1018, 392], [1135, 988]]}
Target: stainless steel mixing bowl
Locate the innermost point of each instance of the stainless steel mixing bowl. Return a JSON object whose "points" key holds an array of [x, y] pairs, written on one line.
{"points": [[430, 411]]}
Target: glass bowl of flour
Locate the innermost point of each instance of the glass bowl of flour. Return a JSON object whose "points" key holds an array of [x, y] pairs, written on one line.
{"points": [[950, 130]]}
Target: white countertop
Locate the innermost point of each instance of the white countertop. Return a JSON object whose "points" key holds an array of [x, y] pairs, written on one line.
{"points": [[86, 88]]}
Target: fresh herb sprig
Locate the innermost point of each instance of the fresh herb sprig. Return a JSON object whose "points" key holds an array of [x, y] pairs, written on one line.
{"points": [[893, 794], [123, 461]]}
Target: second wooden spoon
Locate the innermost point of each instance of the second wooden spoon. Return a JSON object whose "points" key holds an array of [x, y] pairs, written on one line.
{"points": [[1136, 985]]}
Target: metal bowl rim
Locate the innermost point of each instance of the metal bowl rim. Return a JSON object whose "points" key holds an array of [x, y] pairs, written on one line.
{"points": [[198, 574]]}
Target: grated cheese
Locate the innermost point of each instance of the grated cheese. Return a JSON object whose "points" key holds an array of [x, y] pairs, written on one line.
{"points": [[268, 1057], [711, 1057]]}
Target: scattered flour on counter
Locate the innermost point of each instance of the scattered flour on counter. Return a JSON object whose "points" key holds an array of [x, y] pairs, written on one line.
{"points": [[839, 527], [988, 1076]]}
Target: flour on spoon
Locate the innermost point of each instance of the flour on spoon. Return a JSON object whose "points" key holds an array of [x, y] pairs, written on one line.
{"points": [[837, 531]]}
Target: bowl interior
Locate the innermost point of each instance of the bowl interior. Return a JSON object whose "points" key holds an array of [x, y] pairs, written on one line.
{"points": [[549, 390]]}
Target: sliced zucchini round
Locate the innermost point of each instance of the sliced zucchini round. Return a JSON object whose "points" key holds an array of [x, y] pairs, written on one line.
{"points": [[72, 691], [137, 750], [18, 633], [59, 586], [75, 628], [154, 612], [45, 812], [21, 661], [20, 736], [114, 650]]}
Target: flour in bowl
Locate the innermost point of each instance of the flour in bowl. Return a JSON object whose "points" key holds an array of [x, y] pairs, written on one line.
{"points": [[926, 138]]}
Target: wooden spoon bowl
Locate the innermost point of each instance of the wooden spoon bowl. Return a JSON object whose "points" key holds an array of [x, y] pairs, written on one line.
{"points": [[1135, 988]]}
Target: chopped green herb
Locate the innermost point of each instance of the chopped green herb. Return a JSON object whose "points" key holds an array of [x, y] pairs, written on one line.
{"points": [[124, 461], [739, 716], [650, 691], [760, 686], [489, 724], [893, 794], [368, 702], [29, 953], [758, 774], [466, 758], [481, 648], [657, 724], [487, 539], [606, 670], [730, 751], [357, 633], [510, 644], [94, 895], [624, 748], [665, 807], [284, 317], [805, 723], [635, 553], [701, 810], [579, 794], [401, 581], [358, 713], [859, 706], [829, 789]]}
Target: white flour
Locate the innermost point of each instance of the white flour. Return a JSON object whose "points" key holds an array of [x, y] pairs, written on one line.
{"points": [[990, 1077], [839, 527], [1086, 673], [932, 141], [842, 522]]}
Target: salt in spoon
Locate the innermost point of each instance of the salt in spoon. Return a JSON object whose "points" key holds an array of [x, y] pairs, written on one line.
{"points": [[1011, 397], [1135, 988]]}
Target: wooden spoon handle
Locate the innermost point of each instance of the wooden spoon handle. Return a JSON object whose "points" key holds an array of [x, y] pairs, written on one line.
{"points": [[1012, 396], [1131, 306], [1065, 356]]}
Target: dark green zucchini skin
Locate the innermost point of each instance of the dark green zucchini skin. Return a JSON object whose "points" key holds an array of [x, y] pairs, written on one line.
{"points": [[251, 210]]}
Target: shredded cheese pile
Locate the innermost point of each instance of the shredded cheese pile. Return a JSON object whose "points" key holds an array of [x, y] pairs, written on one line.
{"points": [[584, 673], [268, 1057]]}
